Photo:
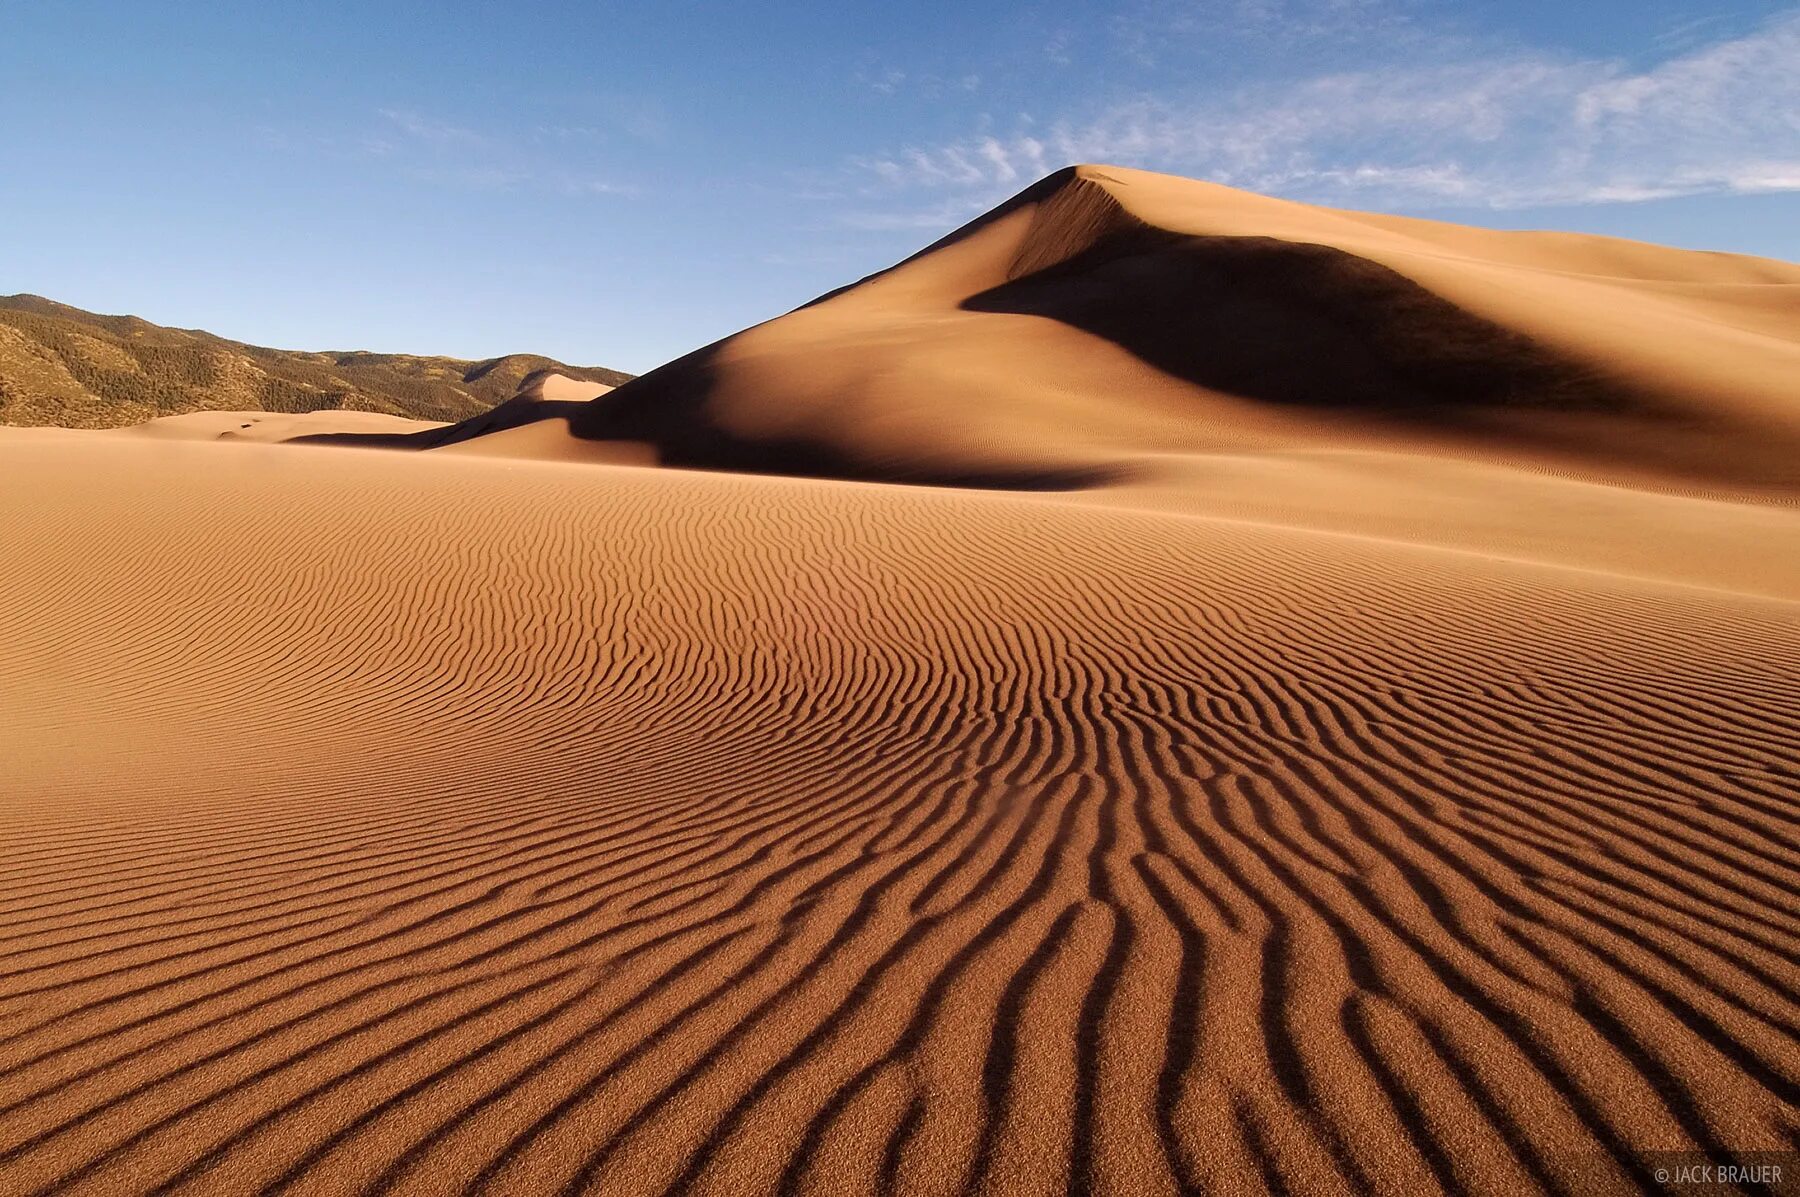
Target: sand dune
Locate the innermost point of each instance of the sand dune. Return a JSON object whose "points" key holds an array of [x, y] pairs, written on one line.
{"points": [[559, 388], [1320, 795], [1106, 319]]}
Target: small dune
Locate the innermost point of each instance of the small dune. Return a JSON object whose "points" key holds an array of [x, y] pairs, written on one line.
{"points": [[1166, 691]]}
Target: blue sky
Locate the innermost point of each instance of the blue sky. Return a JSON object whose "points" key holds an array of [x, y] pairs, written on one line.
{"points": [[615, 184]]}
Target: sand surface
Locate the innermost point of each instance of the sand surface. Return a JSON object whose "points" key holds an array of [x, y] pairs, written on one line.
{"points": [[562, 388], [269, 427], [1217, 792]]}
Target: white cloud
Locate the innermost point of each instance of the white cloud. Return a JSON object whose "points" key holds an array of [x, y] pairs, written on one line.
{"points": [[579, 186], [1765, 176], [430, 129], [1527, 129]]}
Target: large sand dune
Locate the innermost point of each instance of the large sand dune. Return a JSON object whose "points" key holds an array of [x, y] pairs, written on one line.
{"points": [[1105, 319], [1327, 791]]}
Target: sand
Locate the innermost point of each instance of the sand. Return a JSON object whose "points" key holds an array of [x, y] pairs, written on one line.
{"points": [[1214, 792], [272, 427], [560, 388]]}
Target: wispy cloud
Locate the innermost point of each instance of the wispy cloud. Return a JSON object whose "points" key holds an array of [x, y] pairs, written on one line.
{"points": [[430, 130], [886, 81], [1502, 131], [881, 80], [440, 154], [469, 177], [581, 186], [1154, 32]]}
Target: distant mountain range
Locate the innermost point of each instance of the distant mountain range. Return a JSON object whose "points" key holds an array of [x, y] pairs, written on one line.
{"points": [[61, 365]]}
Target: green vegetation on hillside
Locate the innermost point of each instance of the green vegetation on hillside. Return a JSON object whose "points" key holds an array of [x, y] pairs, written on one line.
{"points": [[61, 365]]}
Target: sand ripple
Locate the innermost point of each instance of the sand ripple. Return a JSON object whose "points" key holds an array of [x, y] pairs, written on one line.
{"points": [[430, 826]]}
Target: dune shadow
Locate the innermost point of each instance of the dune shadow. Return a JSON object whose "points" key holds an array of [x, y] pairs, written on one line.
{"points": [[514, 413], [1298, 324], [670, 410]]}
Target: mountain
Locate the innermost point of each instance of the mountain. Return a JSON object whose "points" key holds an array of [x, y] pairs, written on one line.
{"points": [[1108, 322], [61, 365]]}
